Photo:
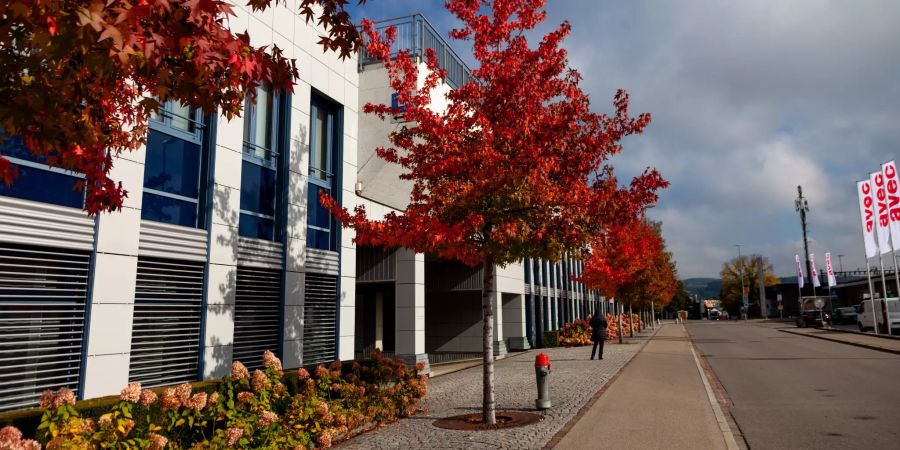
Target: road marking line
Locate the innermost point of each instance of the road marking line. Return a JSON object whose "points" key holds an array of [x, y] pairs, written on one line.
{"points": [[730, 443]]}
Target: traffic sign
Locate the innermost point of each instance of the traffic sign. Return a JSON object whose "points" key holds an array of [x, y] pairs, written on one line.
{"points": [[819, 303]]}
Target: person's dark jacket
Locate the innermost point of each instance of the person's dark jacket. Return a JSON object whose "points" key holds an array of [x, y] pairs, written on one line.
{"points": [[598, 324]]}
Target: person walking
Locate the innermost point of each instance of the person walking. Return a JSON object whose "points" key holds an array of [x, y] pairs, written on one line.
{"points": [[598, 333]]}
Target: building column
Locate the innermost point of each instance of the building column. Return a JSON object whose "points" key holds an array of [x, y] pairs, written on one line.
{"points": [[379, 321], [410, 308], [514, 322], [221, 275], [113, 278], [295, 239], [499, 340]]}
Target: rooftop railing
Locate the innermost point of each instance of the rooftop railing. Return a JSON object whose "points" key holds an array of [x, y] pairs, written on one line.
{"points": [[415, 34]]}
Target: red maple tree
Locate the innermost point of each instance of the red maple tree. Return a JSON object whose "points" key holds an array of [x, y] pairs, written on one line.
{"points": [[655, 281], [618, 256], [517, 164], [82, 77]]}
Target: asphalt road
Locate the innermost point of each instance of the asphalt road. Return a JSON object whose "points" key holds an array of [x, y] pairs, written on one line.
{"points": [[791, 392]]}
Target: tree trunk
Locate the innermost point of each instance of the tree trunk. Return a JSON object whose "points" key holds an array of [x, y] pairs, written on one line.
{"points": [[488, 407], [631, 321], [619, 321], [653, 314]]}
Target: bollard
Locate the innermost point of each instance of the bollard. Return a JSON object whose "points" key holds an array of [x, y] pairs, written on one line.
{"points": [[542, 375]]}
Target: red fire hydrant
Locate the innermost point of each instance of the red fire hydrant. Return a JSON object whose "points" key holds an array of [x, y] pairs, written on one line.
{"points": [[542, 374]]}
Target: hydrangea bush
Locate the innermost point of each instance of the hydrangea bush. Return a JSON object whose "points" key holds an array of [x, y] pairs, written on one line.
{"points": [[268, 409]]}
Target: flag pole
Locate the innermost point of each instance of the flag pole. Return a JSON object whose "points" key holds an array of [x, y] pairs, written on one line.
{"points": [[871, 295], [897, 279], [883, 287]]}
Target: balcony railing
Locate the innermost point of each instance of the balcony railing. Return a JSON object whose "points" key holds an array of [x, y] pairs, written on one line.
{"points": [[415, 34]]}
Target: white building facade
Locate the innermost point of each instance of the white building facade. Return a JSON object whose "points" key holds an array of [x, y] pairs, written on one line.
{"points": [[222, 251]]}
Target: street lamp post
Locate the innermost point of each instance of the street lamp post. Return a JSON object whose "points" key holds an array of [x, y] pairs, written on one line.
{"points": [[841, 262]]}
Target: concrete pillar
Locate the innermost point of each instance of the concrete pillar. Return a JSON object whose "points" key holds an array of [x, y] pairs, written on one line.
{"points": [[499, 340], [514, 327], [113, 285], [410, 310], [379, 321], [218, 316], [554, 297]]}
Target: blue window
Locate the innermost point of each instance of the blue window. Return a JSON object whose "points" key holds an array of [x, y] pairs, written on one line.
{"points": [[38, 181], [263, 125], [324, 156], [173, 166]]}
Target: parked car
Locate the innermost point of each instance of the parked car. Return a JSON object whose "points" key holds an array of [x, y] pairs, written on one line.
{"points": [[865, 321], [845, 315], [813, 318]]}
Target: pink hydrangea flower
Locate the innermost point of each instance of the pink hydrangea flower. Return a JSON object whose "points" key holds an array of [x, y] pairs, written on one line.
{"points": [[183, 392], [239, 371], [148, 397], [197, 402], [233, 434], [55, 399], [157, 442], [270, 361], [302, 374], [260, 381], [131, 393], [169, 400], [267, 418], [244, 397], [11, 438]]}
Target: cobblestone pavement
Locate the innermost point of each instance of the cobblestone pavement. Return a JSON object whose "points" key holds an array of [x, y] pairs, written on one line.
{"points": [[574, 380]]}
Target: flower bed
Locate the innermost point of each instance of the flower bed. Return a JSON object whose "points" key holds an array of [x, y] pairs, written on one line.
{"points": [[612, 326], [269, 409], [575, 333]]}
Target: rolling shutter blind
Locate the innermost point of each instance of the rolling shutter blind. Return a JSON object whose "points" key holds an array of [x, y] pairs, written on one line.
{"points": [[43, 292], [319, 318], [257, 315], [165, 340]]}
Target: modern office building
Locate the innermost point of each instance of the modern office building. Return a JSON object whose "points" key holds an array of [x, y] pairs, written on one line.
{"points": [[222, 250]]}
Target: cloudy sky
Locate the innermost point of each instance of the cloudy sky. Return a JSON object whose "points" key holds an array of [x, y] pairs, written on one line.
{"points": [[749, 99]]}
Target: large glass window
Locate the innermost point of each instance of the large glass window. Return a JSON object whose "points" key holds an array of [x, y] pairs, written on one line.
{"points": [[38, 181], [173, 166], [260, 167], [323, 158]]}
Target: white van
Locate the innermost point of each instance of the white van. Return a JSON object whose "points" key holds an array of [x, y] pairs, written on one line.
{"points": [[864, 318]]}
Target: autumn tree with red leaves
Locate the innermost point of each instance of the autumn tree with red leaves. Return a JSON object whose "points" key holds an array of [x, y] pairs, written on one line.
{"points": [[655, 284], [517, 164], [82, 77], [618, 256]]}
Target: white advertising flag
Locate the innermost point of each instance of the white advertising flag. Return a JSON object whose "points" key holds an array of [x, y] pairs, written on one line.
{"points": [[829, 270], [882, 222], [892, 196], [799, 272], [815, 273], [867, 215]]}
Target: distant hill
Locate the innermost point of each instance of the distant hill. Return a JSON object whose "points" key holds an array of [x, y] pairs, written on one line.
{"points": [[704, 287]]}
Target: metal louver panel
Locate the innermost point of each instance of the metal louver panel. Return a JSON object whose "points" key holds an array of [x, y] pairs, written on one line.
{"points": [[43, 292], [319, 318], [374, 264], [165, 339], [257, 315]]}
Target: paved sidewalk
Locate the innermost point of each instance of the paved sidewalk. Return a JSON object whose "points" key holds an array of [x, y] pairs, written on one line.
{"points": [[574, 381], [660, 400], [857, 339]]}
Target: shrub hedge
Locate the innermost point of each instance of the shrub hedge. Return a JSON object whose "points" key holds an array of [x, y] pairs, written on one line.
{"points": [[271, 409]]}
